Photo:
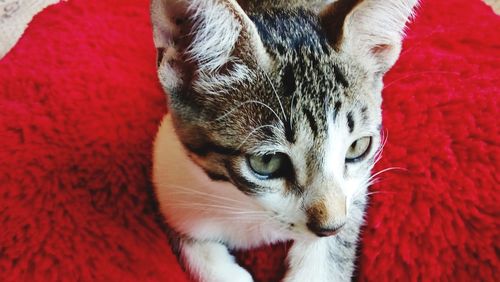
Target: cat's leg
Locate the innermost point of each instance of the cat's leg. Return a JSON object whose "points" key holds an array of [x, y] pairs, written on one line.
{"points": [[211, 262], [325, 259]]}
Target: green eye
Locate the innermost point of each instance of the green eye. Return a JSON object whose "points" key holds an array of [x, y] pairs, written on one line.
{"points": [[358, 150], [269, 165]]}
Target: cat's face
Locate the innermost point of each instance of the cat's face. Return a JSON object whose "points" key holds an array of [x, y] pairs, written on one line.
{"points": [[269, 101]]}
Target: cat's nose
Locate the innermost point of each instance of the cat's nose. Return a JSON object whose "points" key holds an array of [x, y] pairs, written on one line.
{"points": [[325, 217], [324, 231]]}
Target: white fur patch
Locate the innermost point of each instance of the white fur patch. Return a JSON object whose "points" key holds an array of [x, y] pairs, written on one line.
{"points": [[195, 205], [211, 262], [309, 261]]}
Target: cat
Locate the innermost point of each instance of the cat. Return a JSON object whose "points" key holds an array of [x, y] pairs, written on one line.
{"points": [[273, 128]]}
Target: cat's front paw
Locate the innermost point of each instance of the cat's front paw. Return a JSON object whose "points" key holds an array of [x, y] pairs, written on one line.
{"points": [[211, 262], [234, 273], [321, 260], [228, 272]]}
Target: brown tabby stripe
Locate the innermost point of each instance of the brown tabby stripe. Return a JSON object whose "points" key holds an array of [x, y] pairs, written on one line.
{"points": [[288, 80], [336, 109], [364, 115], [350, 122], [289, 132], [215, 176], [312, 122], [208, 147], [339, 76]]}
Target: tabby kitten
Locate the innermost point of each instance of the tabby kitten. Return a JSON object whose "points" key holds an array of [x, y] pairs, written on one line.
{"points": [[273, 127]]}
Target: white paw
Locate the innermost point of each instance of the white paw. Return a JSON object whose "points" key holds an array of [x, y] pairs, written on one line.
{"points": [[211, 262], [231, 273]]}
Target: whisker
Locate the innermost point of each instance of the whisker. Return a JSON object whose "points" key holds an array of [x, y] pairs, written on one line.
{"points": [[184, 188], [292, 113], [411, 75], [374, 179], [188, 190], [232, 221], [249, 216], [274, 221], [378, 154], [239, 219], [262, 223], [387, 170], [276, 94], [379, 193], [209, 207], [227, 209], [249, 102], [253, 131]]}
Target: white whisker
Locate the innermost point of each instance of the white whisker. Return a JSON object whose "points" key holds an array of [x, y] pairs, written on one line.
{"points": [[292, 113], [378, 193], [386, 170], [249, 102], [378, 154], [276, 94], [253, 131], [411, 75], [234, 210], [187, 191]]}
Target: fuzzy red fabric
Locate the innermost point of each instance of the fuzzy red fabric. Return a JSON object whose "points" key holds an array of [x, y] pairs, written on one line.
{"points": [[79, 108]]}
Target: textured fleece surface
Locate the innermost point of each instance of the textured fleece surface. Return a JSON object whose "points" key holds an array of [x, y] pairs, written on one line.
{"points": [[79, 108]]}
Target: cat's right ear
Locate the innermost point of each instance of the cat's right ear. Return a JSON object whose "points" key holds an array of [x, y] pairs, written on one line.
{"points": [[369, 30], [208, 45]]}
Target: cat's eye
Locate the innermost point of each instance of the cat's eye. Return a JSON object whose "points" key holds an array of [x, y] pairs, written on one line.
{"points": [[269, 166], [358, 150]]}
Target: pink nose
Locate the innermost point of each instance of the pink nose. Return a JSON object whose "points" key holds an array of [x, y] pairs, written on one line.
{"points": [[325, 232]]}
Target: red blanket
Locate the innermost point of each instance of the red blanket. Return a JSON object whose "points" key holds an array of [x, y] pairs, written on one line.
{"points": [[80, 104]]}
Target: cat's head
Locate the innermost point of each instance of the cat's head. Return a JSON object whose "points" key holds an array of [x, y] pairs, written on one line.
{"points": [[283, 103]]}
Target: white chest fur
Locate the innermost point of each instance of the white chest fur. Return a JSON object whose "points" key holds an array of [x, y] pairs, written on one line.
{"points": [[203, 209]]}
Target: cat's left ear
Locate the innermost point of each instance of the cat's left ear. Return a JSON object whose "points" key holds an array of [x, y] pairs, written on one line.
{"points": [[369, 30]]}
